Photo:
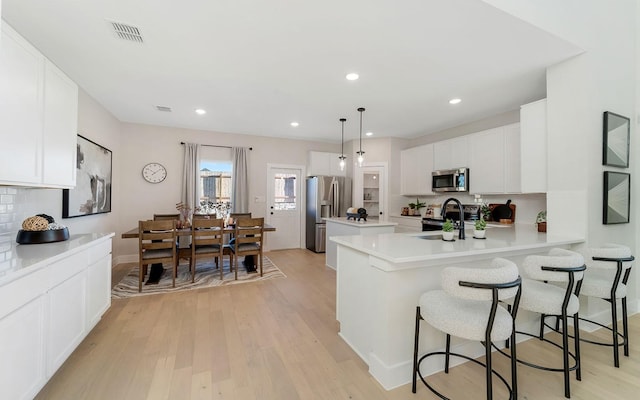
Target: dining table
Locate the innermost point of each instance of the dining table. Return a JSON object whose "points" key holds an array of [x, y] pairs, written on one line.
{"points": [[185, 252]]}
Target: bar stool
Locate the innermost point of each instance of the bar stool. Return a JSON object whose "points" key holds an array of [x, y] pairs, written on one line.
{"points": [[468, 307], [606, 279], [551, 289]]}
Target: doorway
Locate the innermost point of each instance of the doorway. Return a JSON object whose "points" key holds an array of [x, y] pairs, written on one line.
{"points": [[284, 206]]}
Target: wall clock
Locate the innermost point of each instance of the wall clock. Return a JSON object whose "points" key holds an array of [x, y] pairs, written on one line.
{"points": [[154, 172]]}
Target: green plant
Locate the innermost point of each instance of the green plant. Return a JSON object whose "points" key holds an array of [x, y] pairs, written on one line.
{"points": [[480, 224], [541, 217], [447, 226], [417, 205]]}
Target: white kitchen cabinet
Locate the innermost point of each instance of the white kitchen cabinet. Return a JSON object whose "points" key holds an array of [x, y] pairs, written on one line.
{"points": [[369, 190], [48, 305], [494, 162], [451, 153], [60, 127], [533, 144], [416, 165], [322, 163], [22, 339], [38, 117], [66, 317], [21, 110]]}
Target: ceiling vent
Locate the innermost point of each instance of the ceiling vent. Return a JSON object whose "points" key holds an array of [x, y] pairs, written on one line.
{"points": [[163, 108], [126, 31]]}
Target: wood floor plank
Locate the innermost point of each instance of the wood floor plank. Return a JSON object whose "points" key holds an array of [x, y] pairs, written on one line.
{"points": [[278, 340]]}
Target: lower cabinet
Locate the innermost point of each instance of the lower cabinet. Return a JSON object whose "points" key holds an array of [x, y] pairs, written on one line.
{"points": [[45, 315]]}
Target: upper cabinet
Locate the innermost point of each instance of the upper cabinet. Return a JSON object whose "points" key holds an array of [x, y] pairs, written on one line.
{"points": [[416, 165], [533, 142], [451, 153], [494, 160], [38, 117], [322, 163]]}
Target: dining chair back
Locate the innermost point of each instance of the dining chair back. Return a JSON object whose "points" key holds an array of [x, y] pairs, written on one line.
{"points": [[206, 241], [164, 217], [248, 240], [157, 244]]}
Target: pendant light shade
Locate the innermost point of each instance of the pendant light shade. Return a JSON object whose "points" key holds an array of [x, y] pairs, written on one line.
{"points": [[342, 157], [360, 153]]}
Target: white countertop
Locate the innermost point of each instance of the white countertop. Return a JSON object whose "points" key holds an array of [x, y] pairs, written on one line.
{"points": [[398, 248], [17, 260], [361, 223]]}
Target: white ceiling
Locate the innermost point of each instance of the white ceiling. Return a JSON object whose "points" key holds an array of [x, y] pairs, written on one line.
{"points": [[257, 65]]}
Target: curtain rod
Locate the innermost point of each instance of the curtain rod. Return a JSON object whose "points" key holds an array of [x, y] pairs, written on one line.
{"points": [[215, 145]]}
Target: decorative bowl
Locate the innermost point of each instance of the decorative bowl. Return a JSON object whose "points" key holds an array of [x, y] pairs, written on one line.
{"points": [[38, 237]]}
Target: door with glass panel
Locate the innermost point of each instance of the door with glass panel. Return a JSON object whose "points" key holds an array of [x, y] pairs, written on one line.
{"points": [[284, 207]]}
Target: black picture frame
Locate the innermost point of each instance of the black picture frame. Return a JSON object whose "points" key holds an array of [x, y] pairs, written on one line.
{"points": [[92, 193], [616, 198], [616, 133]]}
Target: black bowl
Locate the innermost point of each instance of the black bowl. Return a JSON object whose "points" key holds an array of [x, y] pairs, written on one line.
{"points": [[37, 237]]}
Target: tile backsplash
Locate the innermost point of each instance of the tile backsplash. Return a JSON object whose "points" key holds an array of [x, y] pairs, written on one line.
{"points": [[18, 203]]}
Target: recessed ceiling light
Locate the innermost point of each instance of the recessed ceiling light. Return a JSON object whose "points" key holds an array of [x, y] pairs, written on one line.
{"points": [[294, 124], [200, 111], [369, 134], [455, 101], [352, 76]]}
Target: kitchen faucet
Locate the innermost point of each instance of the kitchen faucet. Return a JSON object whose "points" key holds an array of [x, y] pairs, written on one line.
{"points": [[461, 209]]}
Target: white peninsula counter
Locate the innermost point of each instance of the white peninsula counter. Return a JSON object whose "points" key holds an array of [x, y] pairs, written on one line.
{"points": [[381, 277], [344, 227]]}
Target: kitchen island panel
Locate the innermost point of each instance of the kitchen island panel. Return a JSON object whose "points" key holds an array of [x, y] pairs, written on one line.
{"points": [[345, 227], [377, 296]]}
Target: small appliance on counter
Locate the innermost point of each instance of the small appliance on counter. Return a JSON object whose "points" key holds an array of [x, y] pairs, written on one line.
{"points": [[434, 223], [41, 228]]}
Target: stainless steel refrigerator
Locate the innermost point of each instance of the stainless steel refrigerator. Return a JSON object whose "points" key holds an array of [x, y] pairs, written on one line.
{"points": [[327, 196]]}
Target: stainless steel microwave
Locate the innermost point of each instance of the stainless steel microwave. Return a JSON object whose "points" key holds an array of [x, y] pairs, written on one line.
{"points": [[450, 180]]}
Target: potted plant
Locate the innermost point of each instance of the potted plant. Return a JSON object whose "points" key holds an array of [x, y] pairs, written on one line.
{"points": [[541, 221], [447, 230], [479, 228], [415, 207]]}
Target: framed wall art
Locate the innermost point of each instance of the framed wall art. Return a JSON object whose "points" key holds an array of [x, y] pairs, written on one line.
{"points": [[615, 147], [92, 194], [617, 197]]}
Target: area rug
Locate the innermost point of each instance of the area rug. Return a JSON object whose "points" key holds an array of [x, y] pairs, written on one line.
{"points": [[207, 275]]}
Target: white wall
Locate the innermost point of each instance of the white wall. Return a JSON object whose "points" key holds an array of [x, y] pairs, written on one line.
{"points": [[579, 90], [142, 144]]}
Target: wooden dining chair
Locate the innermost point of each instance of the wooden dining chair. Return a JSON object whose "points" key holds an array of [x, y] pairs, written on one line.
{"points": [[157, 245], [206, 241], [183, 252], [248, 235], [227, 247]]}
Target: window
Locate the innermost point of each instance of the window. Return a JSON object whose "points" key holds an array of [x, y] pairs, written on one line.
{"points": [[285, 192], [215, 184]]}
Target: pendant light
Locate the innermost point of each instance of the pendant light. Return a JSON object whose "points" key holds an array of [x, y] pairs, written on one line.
{"points": [[342, 157], [360, 153]]}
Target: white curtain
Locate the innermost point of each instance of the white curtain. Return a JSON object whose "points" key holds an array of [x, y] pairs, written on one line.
{"points": [[191, 176], [240, 195]]}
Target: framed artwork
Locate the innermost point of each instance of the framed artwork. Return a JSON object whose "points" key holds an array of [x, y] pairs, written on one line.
{"points": [[617, 197], [92, 194], [615, 148]]}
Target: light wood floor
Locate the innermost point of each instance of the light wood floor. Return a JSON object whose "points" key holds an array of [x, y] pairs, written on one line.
{"points": [[278, 340]]}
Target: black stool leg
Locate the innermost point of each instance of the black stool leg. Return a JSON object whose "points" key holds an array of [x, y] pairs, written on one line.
{"points": [[542, 316], [488, 367], [614, 329], [625, 327], [415, 349], [514, 362], [576, 343], [565, 355], [446, 356]]}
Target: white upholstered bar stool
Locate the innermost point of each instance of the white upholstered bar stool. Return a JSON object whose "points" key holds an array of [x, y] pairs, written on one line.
{"points": [[550, 288], [606, 278], [468, 307]]}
